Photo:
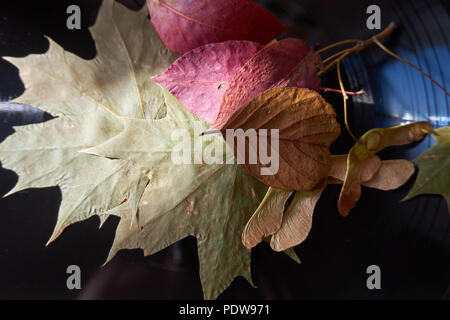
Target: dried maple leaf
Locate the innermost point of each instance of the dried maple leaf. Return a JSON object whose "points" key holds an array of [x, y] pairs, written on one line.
{"points": [[98, 103], [434, 164], [200, 77], [185, 25], [89, 98], [289, 62], [362, 164], [306, 126], [209, 201]]}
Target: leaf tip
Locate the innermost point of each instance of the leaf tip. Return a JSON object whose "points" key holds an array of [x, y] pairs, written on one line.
{"points": [[59, 228], [52, 238]]}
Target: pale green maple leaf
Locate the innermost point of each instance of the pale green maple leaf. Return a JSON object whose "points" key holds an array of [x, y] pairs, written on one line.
{"points": [[89, 99], [434, 168], [108, 102], [209, 201], [212, 202]]}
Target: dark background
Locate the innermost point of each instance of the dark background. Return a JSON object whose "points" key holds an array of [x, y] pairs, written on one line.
{"points": [[410, 241]]}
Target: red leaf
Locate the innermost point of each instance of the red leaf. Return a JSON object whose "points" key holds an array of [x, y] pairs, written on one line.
{"points": [[200, 77], [289, 62], [185, 24]]}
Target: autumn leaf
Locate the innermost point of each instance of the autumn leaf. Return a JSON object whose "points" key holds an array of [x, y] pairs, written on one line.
{"points": [[200, 77], [434, 164], [362, 164], [99, 102], [306, 125], [289, 62], [185, 25], [88, 105], [209, 201]]}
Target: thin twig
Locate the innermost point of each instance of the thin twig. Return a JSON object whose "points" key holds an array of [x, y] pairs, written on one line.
{"points": [[329, 66], [336, 45], [336, 55], [344, 95], [360, 45], [378, 43], [350, 93]]}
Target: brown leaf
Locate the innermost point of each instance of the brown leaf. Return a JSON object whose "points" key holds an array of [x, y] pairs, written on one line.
{"points": [[297, 220], [266, 220], [307, 127]]}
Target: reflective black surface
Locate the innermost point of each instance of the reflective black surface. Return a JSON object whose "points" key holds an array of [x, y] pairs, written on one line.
{"points": [[410, 240]]}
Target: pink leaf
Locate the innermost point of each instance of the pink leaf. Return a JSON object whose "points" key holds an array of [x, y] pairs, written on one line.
{"points": [[186, 24], [289, 62], [200, 77]]}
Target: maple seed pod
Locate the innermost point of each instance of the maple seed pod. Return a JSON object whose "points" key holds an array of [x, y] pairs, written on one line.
{"points": [[362, 164]]}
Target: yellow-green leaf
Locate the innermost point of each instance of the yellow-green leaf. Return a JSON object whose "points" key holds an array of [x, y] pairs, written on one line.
{"points": [[89, 99], [209, 201], [434, 168]]}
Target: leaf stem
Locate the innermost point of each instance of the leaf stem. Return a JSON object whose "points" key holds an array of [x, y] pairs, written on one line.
{"points": [[359, 46], [330, 65], [336, 45], [350, 93], [344, 95], [335, 56]]}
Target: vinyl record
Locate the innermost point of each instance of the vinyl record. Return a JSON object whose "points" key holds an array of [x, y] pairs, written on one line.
{"points": [[409, 241]]}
